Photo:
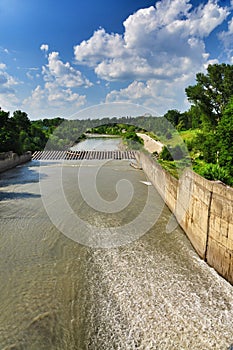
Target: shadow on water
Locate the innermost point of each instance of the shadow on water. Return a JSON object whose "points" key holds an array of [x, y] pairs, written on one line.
{"points": [[17, 195], [21, 175]]}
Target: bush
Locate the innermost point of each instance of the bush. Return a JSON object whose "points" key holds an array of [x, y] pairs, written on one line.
{"points": [[165, 154], [189, 144], [215, 172], [206, 143], [155, 154], [172, 153]]}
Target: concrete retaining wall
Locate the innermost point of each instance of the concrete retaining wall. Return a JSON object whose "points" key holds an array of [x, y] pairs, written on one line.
{"points": [[204, 209], [12, 160]]}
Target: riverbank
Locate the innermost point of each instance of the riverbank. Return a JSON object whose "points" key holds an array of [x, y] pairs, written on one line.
{"points": [[10, 160], [95, 136]]}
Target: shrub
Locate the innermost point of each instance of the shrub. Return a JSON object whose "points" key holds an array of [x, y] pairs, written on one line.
{"points": [[189, 144], [172, 153], [215, 172], [165, 154]]}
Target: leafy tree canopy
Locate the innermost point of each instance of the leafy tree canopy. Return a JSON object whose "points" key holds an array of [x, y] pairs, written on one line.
{"points": [[224, 135], [21, 121], [212, 92]]}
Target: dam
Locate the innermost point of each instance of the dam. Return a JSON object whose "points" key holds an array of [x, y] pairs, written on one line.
{"points": [[83, 155], [153, 292]]}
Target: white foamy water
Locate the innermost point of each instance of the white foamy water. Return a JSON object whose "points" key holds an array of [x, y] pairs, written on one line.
{"points": [[152, 299]]}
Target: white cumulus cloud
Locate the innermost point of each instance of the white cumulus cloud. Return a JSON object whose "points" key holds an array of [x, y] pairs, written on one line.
{"points": [[52, 100], [44, 47], [7, 82], [158, 95], [206, 18], [162, 41], [99, 47], [59, 90], [63, 73], [159, 53], [2, 66], [8, 99], [227, 39]]}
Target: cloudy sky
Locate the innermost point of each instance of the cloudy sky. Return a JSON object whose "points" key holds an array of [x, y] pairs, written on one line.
{"points": [[58, 58]]}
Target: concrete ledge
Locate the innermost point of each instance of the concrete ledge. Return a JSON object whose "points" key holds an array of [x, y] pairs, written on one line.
{"points": [[204, 210], [11, 160]]}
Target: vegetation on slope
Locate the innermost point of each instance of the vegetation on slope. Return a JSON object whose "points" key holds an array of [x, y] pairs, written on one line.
{"points": [[210, 124]]}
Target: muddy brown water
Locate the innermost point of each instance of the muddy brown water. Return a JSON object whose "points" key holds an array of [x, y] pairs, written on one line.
{"points": [[57, 294]]}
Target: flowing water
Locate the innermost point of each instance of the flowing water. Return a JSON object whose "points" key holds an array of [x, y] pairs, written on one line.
{"points": [[57, 294], [97, 143]]}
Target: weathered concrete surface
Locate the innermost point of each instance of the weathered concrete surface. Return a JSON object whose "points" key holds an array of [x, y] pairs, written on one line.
{"points": [[220, 235], [12, 160], [204, 209], [192, 209]]}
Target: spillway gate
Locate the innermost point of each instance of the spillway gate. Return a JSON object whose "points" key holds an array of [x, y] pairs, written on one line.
{"points": [[83, 155]]}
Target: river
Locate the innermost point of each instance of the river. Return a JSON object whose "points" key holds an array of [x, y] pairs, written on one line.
{"points": [[57, 294], [97, 143]]}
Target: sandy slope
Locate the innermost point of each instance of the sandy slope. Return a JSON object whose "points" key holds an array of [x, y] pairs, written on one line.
{"points": [[150, 144]]}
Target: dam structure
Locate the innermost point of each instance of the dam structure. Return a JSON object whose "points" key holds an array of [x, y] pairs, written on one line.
{"points": [[83, 155], [154, 292], [203, 209]]}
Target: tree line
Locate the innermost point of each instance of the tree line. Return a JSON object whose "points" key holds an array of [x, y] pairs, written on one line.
{"points": [[19, 134], [210, 114]]}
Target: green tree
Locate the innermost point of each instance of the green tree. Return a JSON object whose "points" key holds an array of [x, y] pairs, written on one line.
{"points": [[212, 92], [8, 133], [224, 136], [21, 121], [206, 144], [173, 116], [192, 118], [4, 118], [166, 154]]}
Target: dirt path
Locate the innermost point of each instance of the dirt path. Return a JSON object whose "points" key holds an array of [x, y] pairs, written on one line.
{"points": [[150, 144]]}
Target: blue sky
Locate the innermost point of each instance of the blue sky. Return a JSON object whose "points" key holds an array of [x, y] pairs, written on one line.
{"points": [[60, 58]]}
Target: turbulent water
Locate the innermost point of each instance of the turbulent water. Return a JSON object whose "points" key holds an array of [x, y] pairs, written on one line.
{"points": [[56, 294]]}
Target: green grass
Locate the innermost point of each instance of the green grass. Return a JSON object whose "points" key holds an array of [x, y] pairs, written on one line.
{"points": [[175, 168], [188, 135], [178, 137], [152, 135], [170, 167]]}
